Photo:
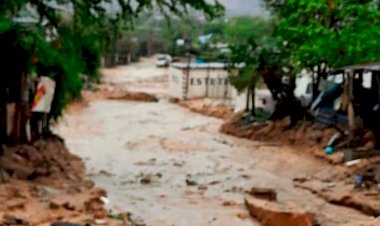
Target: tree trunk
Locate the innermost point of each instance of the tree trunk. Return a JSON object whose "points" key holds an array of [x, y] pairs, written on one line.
{"points": [[19, 134], [253, 110], [247, 102], [3, 118]]}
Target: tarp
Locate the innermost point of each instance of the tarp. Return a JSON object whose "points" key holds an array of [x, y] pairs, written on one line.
{"points": [[44, 95]]}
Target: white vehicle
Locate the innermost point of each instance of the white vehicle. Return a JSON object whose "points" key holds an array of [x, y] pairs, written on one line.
{"points": [[163, 61], [304, 89]]}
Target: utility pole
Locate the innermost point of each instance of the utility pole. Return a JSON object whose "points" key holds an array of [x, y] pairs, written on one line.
{"points": [[208, 69], [186, 86]]}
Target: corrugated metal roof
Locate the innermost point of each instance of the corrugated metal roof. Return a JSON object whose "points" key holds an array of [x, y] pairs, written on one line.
{"points": [[374, 66], [184, 65]]}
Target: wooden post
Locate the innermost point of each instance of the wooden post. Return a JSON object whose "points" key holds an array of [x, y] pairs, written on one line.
{"points": [[19, 134], [350, 107]]}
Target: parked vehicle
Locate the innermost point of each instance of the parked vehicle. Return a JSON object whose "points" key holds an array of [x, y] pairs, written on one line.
{"points": [[163, 61]]}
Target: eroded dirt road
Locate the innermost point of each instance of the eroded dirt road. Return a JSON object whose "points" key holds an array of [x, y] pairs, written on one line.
{"points": [[170, 166]]}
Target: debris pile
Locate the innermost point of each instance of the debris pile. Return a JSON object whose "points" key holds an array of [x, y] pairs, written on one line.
{"points": [[305, 136], [26, 203], [357, 188], [49, 159], [134, 96], [208, 108], [44, 183]]}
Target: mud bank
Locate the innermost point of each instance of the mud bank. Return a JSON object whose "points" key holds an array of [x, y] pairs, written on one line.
{"points": [[44, 183], [208, 108], [338, 187]]}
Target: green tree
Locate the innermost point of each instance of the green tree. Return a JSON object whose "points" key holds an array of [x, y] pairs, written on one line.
{"points": [[338, 32], [250, 40], [79, 32]]}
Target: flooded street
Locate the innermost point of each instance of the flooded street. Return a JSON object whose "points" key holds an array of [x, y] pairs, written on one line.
{"points": [[171, 167]]}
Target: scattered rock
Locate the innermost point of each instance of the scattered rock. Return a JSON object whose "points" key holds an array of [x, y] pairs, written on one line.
{"points": [[223, 142], [243, 216], [88, 184], [272, 214], [134, 96], [235, 189], [264, 193], [93, 205], [68, 206], [214, 182], [317, 136], [67, 224], [4, 176], [202, 187], [178, 164], [54, 206], [246, 176], [74, 190], [19, 168], [15, 204], [300, 180], [47, 191], [100, 217], [105, 173], [229, 203], [9, 219], [145, 180], [191, 182]]}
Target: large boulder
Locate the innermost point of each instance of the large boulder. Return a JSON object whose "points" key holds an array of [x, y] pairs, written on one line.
{"points": [[274, 214]]}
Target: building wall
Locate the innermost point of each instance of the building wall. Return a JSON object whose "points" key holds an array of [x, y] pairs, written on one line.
{"points": [[263, 100], [214, 85], [201, 83], [176, 83]]}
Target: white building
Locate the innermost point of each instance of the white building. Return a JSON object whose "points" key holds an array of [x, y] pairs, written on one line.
{"points": [[206, 80], [210, 80]]}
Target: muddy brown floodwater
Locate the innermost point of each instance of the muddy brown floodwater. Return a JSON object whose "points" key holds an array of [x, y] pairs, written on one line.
{"points": [[171, 167]]}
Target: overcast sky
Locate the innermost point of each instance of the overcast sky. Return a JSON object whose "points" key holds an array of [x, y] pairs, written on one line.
{"points": [[243, 7]]}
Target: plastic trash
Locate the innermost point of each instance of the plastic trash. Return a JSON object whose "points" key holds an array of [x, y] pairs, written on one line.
{"points": [[358, 180], [246, 118], [353, 162], [330, 150], [67, 224], [333, 140]]}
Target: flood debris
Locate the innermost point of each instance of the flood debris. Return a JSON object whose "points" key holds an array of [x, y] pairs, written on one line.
{"points": [[105, 173], [344, 194], [10, 219], [223, 142], [243, 216], [263, 193], [273, 214], [134, 96], [146, 180], [208, 107], [230, 203], [135, 220], [44, 159], [67, 224], [191, 182]]}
